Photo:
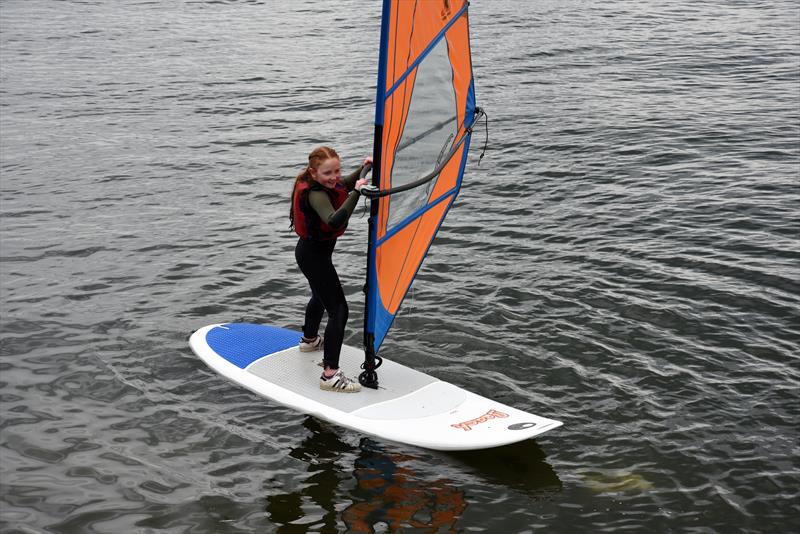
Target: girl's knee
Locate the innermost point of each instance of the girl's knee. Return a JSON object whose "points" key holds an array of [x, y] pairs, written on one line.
{"points": [[340, 312]]}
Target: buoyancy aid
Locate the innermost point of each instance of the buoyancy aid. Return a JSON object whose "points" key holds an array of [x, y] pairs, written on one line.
{"points": [[307, 223]]}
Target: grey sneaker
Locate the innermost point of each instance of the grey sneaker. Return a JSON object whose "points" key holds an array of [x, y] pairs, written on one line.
{"points": [[310, 346], [339, 383]]}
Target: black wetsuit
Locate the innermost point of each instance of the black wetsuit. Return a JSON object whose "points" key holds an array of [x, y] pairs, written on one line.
{"points": [[314, 257]]}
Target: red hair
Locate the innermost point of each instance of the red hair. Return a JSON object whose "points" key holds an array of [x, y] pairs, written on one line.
{"points": [[317, 157]]}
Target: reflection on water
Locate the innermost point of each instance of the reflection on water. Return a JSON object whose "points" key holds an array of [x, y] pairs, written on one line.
{"points": [[320, 450], [520, 466], [391, 495], [387, 493]]}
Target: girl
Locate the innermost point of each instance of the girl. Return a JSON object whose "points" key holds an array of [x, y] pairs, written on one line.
{"points": [[322, 203]]}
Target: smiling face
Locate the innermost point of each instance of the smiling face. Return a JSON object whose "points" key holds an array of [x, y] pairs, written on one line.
{"points": [[328, 173]]}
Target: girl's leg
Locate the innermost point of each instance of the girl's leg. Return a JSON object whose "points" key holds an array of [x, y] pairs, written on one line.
{"points": [[338, 312], [314, 260], [307, 255], [314, 311]]}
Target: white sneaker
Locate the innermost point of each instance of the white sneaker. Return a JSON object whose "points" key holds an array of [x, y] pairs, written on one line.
{"points": [[310, 346], [339, 383]]}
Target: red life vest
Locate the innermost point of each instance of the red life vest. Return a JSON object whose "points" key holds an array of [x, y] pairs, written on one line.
{"points": [[307, 222]]}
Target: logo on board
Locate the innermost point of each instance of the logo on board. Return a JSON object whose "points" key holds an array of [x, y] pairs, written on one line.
{"points": [[488, 416]]}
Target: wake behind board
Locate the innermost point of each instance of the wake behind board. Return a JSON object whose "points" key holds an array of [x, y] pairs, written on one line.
{"points": [[409, 406]]}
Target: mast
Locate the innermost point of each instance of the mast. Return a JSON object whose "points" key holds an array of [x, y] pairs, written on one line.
{"points": [[369, 378]]}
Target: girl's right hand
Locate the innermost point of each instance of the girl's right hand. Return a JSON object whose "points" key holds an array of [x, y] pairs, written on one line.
{"points": [[360, 183]]}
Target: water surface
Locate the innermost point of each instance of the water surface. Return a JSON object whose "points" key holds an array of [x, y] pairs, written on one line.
{"points": [[624, 259]]}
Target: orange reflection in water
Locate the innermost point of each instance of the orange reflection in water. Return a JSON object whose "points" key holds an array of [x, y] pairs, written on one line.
{"points": [[392, 494]]}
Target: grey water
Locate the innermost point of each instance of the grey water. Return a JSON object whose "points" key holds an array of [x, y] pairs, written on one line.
{"points": [[625, 259]]}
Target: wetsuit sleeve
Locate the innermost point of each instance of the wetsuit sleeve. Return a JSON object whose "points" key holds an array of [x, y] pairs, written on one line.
{"points": [[321, 203], [350, 180]]}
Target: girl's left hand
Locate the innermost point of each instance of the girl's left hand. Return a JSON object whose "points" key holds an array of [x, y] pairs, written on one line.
{"points": [[368, 160]]}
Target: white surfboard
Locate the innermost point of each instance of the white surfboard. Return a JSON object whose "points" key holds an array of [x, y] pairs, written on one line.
{"points": [[408, 407]]}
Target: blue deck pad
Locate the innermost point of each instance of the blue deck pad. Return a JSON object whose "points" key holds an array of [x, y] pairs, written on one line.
{"points": [[243, 343]]}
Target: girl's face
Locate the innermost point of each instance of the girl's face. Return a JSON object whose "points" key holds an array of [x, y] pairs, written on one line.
{"points": [[328, 173]]}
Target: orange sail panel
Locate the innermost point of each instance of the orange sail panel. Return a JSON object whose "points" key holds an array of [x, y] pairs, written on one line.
{"points": [[425, 108]]}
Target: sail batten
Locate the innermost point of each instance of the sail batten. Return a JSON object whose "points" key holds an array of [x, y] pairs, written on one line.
{"points": [[424, 114]]}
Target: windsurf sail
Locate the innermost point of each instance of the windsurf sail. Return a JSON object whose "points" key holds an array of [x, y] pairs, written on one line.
{"points": [[424, 114]]}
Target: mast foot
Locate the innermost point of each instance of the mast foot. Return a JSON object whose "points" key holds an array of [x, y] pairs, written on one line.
{"points": [[369, 378]]}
